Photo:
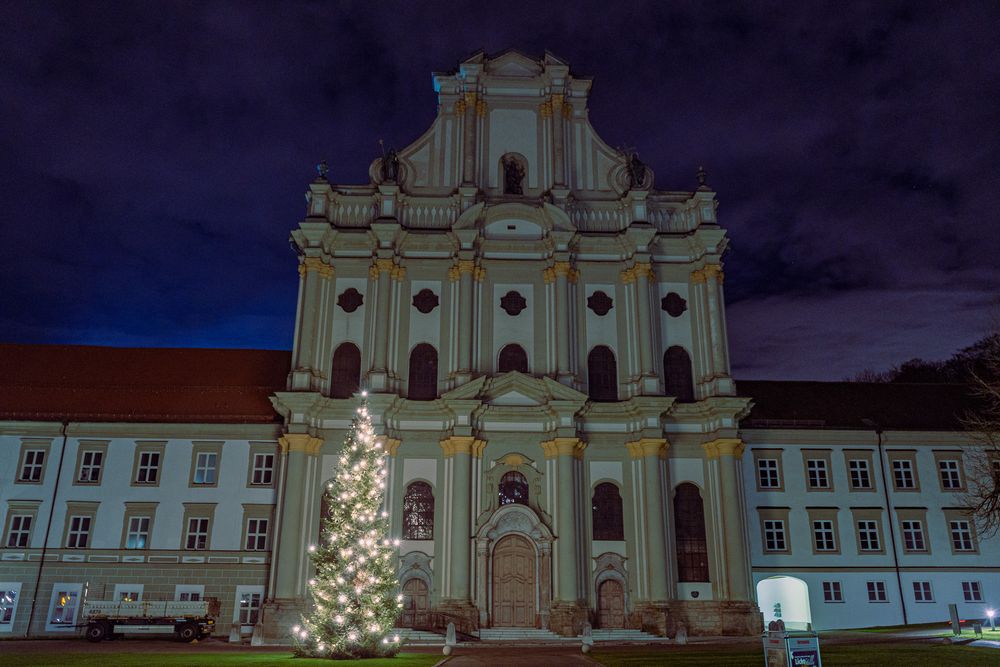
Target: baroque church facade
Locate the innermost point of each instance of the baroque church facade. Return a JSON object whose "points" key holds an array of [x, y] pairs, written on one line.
{"points": [[542, 334]]}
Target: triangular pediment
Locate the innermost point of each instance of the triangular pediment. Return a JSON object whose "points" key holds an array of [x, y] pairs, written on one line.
{"points": [[514, 64], [515, 389]]}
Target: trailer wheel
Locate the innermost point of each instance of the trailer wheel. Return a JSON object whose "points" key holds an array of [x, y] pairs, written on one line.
{"points": [[96, 632], [187, 632]]}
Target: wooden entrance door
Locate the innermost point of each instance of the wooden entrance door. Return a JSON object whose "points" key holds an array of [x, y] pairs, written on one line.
{"points": [[514, 583], [611, 605], [415, 604]]}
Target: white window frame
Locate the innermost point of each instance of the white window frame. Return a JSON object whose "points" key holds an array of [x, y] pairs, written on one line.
{"points": [[142, 470], [833, 592], [963, 529], [9, 606], [773, 529], [767, 473], [877, 591], [858, 468], [122, 589], [258, 467], [33, 466], [19, 530], [258, 537], [916, 528], [206, 466], [93, 469], [972, 591], [902, 474], [825, 528], [59, 589], [187, 590], [242, 591], [922, 591], [868, 531], [817, 466], [132, 534], [949, 472], [188, 534], [80, 526]]}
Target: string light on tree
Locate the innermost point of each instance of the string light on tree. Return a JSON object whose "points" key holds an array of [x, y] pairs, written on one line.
{"points": [[354, 588]]}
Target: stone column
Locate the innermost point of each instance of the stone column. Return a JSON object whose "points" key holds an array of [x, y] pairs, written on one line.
{"points": [[727, 451], [559, 171], [703, 337], [564, 274], [460, 449], [313, 272], [641, 274], [381, 273], [569, 612], [652, 451], [713, 282], [466, 268]]}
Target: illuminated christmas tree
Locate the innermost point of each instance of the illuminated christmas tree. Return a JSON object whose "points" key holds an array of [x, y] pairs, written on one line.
{"points": [[354, 592]]}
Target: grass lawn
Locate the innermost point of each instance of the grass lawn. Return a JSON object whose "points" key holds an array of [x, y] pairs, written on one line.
{"points": [[912, 655], [195, 659]]}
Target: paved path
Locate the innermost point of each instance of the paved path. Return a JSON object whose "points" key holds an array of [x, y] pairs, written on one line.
{"points": [[561, 656]]}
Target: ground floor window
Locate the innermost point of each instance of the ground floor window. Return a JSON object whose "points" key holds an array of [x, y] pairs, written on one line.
{"points": [[832, 592], [128, 592], [922, 591], [9, 592], [64, 607], [189, 592], [248, 602], [876, 591], [972, 591]]}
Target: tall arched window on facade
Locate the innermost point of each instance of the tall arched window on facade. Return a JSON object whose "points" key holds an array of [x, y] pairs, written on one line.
{"points": [[607, 513], [345, 376], [418, 512], [423, 373], [689, 522], [677, 374], [512, 358], [513, 488], [602, 374]]}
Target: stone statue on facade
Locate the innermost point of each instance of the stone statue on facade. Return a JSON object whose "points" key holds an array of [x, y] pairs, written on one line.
{"points": [[513, 176], [390, 164], [636, 170]]}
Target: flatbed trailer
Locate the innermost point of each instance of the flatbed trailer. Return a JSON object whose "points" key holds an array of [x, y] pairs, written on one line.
{"points": [[185, 620]]}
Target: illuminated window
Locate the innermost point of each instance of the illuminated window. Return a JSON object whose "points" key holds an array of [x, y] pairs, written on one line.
{"points": [[138, 532], [205, 468], [418, 512], [513, 488]]}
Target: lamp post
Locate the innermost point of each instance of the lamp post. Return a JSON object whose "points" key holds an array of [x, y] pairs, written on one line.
{"points": [[991, 614]]}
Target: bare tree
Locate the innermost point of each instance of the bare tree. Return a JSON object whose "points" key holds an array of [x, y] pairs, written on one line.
{"points": [[983, 424]]}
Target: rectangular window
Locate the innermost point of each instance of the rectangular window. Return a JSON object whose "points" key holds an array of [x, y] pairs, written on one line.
{"points": [[902, 474], [824, 535], [774, 535], [951, 480], [247, 609], [137, 536], [961, 536], [197, 533], [19, 535], [868, 536], [256, 534], [128, 592], [819, 477], [78, 536], [972, 591], [32, 465], [205, 468], [91, 462], [922, 591], [767, 473], [832, 592], [9, 592], [64, 607], [148, 471], [876, 591], [262, 473], [913, 536], [860, 474], [189, 593]]}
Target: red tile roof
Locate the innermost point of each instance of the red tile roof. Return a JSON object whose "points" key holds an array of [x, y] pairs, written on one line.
{"points": [[87, 383]]}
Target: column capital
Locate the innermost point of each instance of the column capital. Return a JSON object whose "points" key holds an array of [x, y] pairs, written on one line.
{"points": [[460, 106], [390, 445], [723, 447], [462, 444], [564, 447], [380, 266], [308, 264], [644, 447], [714, 271], [637, 270], [300, 442]]}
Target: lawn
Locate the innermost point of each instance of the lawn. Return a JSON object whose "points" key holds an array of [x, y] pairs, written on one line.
{"points": [[196, 659], [912, 655]]}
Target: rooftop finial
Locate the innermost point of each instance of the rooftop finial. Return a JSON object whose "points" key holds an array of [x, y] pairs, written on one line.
{"points": [[702, 178], [322, 169]]}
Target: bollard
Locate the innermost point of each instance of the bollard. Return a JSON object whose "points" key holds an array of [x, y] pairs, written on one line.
{"points": [[977, 629], [234, 634]]}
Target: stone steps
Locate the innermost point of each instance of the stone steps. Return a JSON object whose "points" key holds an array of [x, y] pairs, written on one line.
{"points": [[410, 636], [522, 635], [621, 635]]}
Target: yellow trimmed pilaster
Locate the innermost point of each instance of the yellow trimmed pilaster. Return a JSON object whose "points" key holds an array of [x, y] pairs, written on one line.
{"points": [[478, 447], [460, 106], [564, 447], [643, 447], [381, 266], [315, 264], [390, 445], [300, 442], [698, 276], [714, 270], [462, 444], [723, 447]]}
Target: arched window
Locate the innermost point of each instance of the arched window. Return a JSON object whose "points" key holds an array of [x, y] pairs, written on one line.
{"points": [[689, 522], [602, 374], [677, 374], [512, 358], [423, 373], [513, 488], [418, 512], [607, 506], [345, 377]]}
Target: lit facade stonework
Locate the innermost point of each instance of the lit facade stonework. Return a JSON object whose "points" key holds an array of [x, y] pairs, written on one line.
{"points": [[543, 336]]}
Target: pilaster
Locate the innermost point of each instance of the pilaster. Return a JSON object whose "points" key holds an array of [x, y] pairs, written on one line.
{"points": [[726, 454], [652, 451]]}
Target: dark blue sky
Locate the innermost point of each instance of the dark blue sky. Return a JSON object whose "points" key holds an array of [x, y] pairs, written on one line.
{"points": [[153, 157]]}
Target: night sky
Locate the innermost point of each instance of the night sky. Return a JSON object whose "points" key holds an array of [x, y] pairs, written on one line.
{"points": [[154, 156]]}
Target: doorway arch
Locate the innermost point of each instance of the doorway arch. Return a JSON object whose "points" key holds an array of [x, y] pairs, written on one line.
{"points": [[786, 598]]}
